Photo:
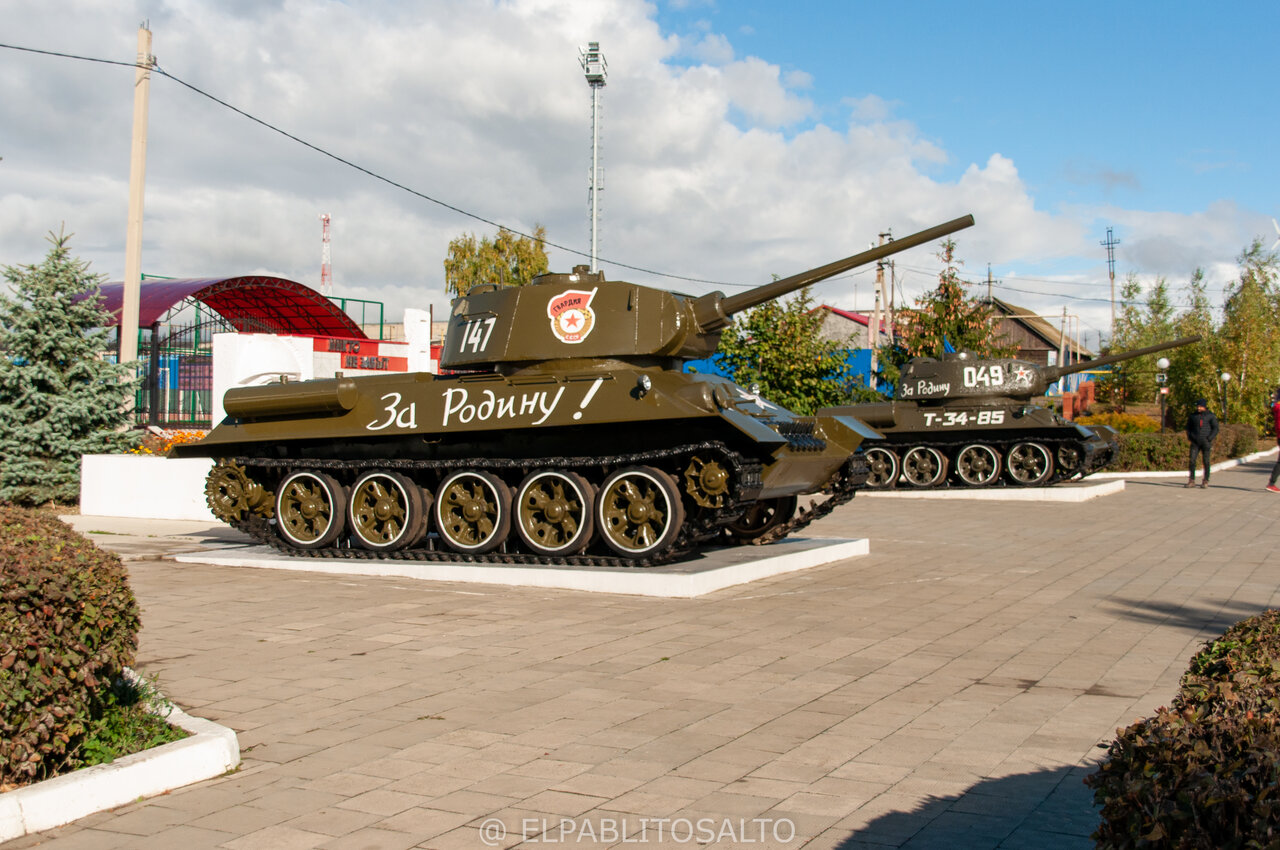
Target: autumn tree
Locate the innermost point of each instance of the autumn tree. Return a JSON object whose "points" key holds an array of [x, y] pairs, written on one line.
{"points": [[506, 259], [1192, 368], [945, 316], [778, 345], [1250, 336], [59, 397], [1142, 321]]}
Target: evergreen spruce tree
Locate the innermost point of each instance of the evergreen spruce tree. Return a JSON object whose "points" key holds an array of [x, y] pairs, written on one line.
{"points": [[58, 398]]}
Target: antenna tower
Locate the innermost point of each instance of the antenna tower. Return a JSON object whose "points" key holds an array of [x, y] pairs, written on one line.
{"points": [[596, 70], [326, 271]]}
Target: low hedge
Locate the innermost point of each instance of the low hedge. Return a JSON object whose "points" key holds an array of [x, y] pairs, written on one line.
{"points": [[68, 628], [1141, 452], [1205, 771]]}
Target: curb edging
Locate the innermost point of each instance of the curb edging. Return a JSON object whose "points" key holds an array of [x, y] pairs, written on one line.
{"points": [[211, 751]]}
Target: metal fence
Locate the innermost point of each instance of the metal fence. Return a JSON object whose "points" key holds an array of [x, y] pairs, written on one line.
{"points": [[175, 375]]}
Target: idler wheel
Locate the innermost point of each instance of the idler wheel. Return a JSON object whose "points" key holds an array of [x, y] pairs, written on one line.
{"points": [[762, 516], [310, 509], [923, 466], [387, 511], [706, 482], [473, 512], [1029, 463], [883, 466], [978, 465], [1070, 458], [553, 512], [638, 511]]}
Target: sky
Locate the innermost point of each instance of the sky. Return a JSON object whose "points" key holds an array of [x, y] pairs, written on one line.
{"points": [[739, 140]]}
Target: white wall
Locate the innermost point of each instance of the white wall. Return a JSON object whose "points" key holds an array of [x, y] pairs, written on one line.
{"points": [[144, 486]]}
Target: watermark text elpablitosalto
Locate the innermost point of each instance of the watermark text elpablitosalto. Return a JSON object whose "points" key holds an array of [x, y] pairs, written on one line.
{"points": [[493, 831]]}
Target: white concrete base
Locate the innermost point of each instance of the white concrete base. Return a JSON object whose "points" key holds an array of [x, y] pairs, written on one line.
{"points": [[1081, 492], [144, 486], [714, 569], [211, 751]]}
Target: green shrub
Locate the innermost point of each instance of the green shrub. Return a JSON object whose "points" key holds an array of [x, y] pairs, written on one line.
{"points": [[1170, 450], [1204, 772], [1125, 423], [68, 627]]}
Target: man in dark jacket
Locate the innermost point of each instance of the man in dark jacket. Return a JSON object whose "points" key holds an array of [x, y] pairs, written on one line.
{"points": [[1202, 428]]}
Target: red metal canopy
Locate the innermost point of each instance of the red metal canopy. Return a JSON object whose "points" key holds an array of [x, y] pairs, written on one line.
{"points": [[255, 303]]}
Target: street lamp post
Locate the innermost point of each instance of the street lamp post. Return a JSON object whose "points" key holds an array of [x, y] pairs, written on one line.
{"points": [[1162, 379], [1226, 377]]}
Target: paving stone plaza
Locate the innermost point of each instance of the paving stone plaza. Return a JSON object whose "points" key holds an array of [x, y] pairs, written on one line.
{"points": [[949, 689]]}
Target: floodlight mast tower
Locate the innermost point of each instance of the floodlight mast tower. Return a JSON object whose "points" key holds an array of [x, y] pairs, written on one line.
{"points": [[596, 70], [326, 271]]}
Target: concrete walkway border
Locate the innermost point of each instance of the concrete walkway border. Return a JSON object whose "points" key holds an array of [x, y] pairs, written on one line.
{"points": [[1226, 464], [211, 751], [708, 571]]}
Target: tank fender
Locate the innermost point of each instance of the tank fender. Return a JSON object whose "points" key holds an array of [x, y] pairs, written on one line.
{"points": [[847, 431], [756, 430]]}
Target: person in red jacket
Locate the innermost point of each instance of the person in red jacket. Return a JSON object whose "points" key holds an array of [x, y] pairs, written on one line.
{"points": [[1275, 415]]}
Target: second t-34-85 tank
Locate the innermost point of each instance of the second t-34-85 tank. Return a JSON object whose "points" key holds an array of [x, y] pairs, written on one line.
{"points": [[567, 433], [961, 421]]}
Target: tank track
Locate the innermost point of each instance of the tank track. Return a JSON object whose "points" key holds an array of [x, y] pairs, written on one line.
{"points": [[700, 526], [842, 487], [946, 447]]}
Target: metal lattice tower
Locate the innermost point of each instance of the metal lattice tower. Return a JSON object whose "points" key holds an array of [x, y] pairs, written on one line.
{"points": [[326, 272], [1110, 244], [596, 70]]}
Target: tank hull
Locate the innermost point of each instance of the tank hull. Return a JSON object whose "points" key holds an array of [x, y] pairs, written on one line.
{"points": [[979, 443], [346, 465]]}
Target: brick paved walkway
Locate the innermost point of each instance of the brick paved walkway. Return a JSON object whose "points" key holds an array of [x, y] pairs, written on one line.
{"points": [[949, 690]]}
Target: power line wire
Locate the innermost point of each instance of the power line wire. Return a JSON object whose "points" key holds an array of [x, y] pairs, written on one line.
{"points": [[323, 152]]}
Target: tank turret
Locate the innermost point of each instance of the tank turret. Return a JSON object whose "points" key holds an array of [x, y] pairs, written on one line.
{"points": [[964, 375], [565, 431], [582, 316]]}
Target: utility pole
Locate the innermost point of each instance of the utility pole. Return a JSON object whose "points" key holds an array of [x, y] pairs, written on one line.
{"points": [[1110, 244], [893, 284], [873, 328], [989, 301], [137, 182], [596, 70]]}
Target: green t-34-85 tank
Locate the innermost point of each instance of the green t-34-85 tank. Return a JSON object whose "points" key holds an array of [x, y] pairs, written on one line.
{"points": [[567, 432], [961, 421]]}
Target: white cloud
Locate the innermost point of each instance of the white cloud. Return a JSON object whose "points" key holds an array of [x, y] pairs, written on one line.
{"points": [[715, 170]]}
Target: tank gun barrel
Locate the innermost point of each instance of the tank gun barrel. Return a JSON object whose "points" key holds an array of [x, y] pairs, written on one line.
{"points": [[1053, 373], [712, 311]]}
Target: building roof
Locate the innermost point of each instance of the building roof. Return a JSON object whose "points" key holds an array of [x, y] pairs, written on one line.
{"points": [[1038, 325], [252, 303]]}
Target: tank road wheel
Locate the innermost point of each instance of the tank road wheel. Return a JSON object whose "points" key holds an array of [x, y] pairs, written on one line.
{"points": [[1070, 458], [762, 516], [884, 468], [553, 512], [1029, 463], [473, 512], [923, 466], [638, 511], [310, 509], [978, 465], [387, 511]]}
